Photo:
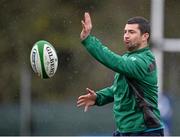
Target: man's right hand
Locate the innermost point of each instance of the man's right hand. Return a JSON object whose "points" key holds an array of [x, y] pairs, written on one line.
{"points": [[86, 26], [87, 100]]}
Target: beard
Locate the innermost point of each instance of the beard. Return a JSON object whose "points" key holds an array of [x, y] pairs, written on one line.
{"points": [[132, 46]]}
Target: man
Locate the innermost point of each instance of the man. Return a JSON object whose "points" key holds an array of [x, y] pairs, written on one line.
{"points": [[134, 90]]}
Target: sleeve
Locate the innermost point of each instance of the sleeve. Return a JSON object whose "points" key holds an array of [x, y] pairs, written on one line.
{"points": [[105, 96], [132, 67]]}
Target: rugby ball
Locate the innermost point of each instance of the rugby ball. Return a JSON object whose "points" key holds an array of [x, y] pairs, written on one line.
{"points": [[44, 60]]}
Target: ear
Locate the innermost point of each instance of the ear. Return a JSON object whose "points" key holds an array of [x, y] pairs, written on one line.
{"points": [[145, 36]]}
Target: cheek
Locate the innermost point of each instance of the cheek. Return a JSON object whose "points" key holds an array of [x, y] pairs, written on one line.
{"points": [[134, 39], [137, 39]]}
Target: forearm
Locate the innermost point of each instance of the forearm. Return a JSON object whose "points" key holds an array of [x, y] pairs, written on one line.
{"points": [[102, 53], [121, 64], [104, 96]]}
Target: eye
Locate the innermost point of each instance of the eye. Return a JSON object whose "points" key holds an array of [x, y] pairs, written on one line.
{"points": [[132, 31]]}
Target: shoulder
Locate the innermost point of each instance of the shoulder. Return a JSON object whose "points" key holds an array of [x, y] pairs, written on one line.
{"points": [[147, 56], [143, 60]]}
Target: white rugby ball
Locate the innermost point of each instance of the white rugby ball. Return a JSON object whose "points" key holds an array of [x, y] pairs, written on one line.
{"points": [[43, 58]]}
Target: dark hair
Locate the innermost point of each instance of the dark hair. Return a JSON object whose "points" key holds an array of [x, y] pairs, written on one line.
{"points": [[143, 23]]}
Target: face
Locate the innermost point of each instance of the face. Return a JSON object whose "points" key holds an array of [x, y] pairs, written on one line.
{"points": [[133, 39]]}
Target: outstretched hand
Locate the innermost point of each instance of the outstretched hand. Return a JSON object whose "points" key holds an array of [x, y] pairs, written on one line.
{"points": [[87, 100], [86, 26]]}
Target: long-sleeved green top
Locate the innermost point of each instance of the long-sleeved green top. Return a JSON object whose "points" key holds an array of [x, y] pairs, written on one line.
{"points": [[135, 72]]}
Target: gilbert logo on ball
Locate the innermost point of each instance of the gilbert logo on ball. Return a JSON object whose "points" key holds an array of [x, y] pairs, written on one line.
{"points": [[44, 60]]}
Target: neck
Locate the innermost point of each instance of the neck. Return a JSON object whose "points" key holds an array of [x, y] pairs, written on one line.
{"points": [[142, 46]]}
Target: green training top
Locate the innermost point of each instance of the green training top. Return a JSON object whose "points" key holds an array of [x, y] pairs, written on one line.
{"points": [[134, 90]]}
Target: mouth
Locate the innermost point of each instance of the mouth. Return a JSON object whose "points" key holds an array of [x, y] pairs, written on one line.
{"points": [[127, 42]]}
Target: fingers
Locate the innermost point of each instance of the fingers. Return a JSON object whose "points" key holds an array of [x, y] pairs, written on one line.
{"points": [[80, 101], [82, 97], [87, 100], [87, 18], [81, 104], [87, 24]]}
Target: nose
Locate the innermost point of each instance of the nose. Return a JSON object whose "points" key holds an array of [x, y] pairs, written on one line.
{"points": [[126, 35]]}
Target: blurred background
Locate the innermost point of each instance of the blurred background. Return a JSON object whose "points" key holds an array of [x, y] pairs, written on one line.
{"points": [[32, 106]]}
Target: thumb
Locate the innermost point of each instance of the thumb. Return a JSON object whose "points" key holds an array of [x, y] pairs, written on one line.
{"points": [[86, 108], [83, 24], [90, 91]]}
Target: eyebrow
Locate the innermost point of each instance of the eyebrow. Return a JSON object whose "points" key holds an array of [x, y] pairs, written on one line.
{"points": [[130, 30]]}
